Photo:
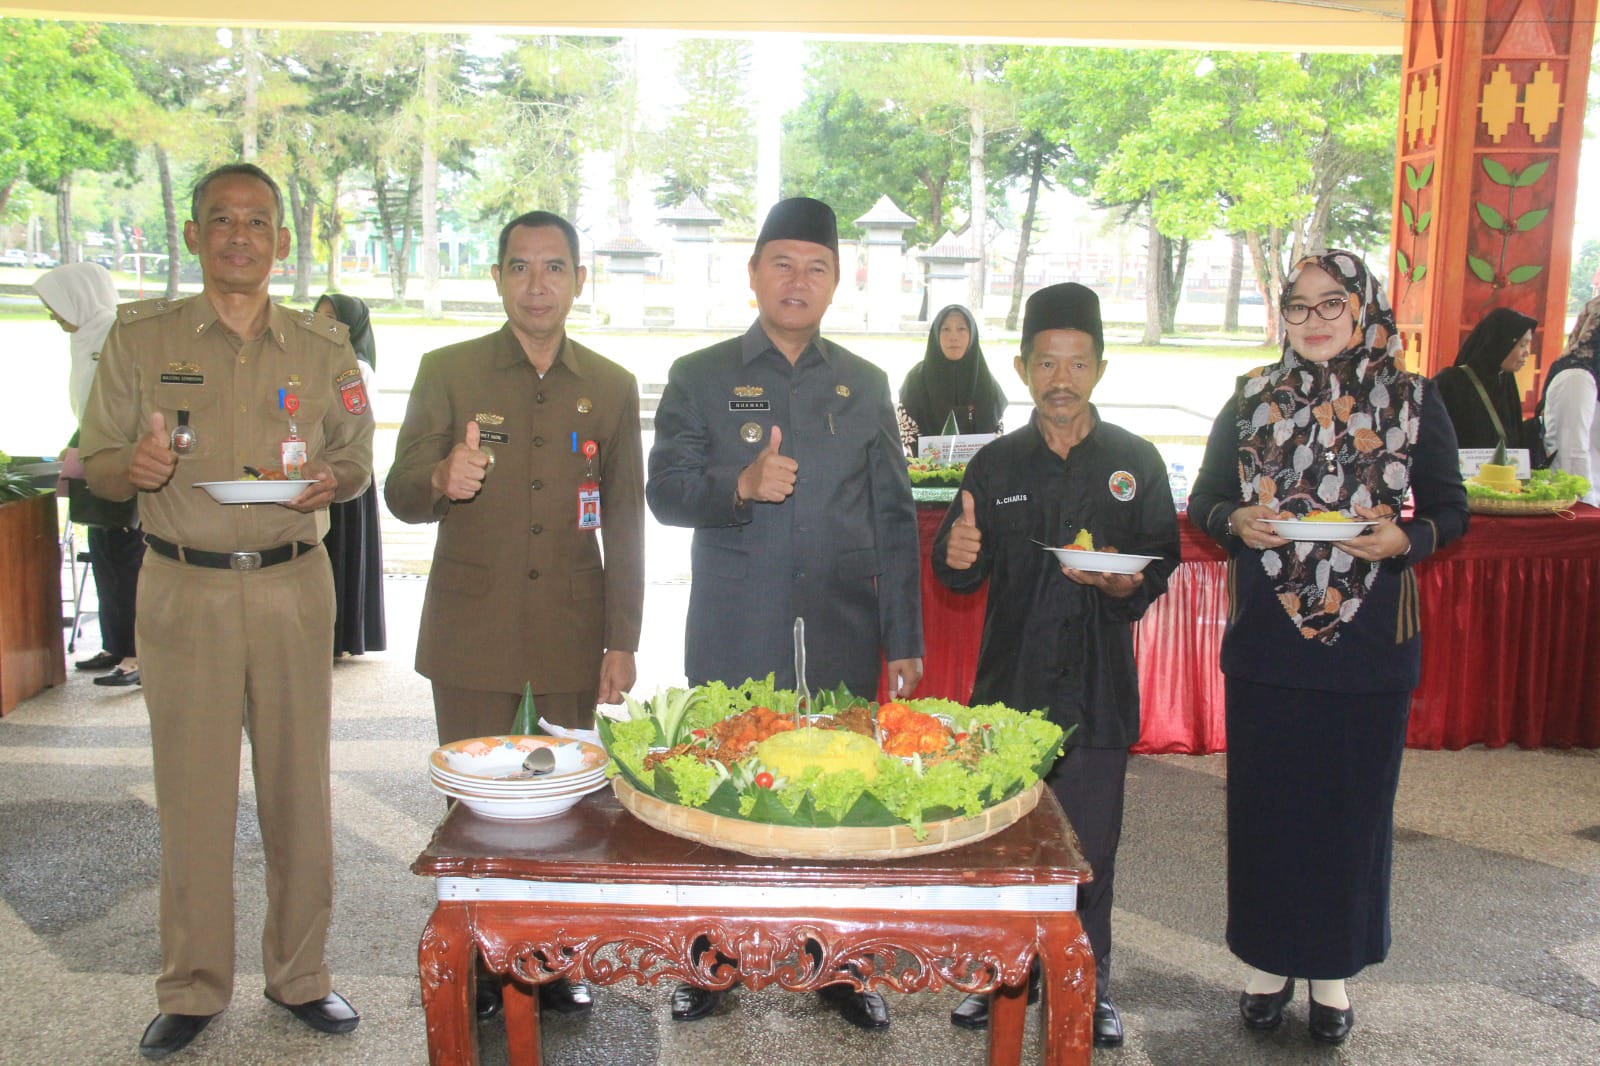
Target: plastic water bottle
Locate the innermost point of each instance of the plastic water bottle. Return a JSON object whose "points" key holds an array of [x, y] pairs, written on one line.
{"points": [[1179, 481]]}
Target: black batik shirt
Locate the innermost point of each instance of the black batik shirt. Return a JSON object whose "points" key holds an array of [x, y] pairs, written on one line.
{"points": [[1050, 643]]}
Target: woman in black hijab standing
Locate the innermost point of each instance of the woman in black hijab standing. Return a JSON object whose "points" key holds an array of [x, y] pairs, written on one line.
{"points": [[353, 541], [952, 379], [1481, 390]]}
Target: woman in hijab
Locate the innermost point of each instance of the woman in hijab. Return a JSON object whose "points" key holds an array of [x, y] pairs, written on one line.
{"points": [[353, 542], [1571, 389], [1322, 648], [952, 379], [82, 299], [1481, 391]]}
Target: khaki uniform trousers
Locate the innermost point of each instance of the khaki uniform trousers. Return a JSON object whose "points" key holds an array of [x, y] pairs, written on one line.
{"points": [[464, 713], [224, 651]]}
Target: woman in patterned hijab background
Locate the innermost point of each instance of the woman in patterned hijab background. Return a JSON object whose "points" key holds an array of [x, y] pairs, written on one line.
{"points": [[1322, 648]]}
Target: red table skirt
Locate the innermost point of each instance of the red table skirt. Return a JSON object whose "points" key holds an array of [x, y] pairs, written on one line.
{"points": [[1510, 651]]}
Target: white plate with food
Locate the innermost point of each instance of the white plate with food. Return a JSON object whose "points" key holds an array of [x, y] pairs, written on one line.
{"points": [[253, 491], [1093, 562], [1331, 530]]}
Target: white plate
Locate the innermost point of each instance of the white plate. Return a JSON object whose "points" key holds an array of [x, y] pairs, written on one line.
{"points": [[253, 491], [1101, 562], [526, 786], [516, 809], [485, 760], [1300, 529]]}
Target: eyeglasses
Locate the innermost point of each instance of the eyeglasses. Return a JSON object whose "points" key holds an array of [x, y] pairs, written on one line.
{"points": [[1328, 310]]}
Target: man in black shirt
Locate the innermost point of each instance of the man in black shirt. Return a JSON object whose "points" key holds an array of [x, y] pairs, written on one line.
{"points": [[1054, 638]]}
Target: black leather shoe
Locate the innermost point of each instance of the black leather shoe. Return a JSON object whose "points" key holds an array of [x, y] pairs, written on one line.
{"points": [[330, 1014], [119, 678], [1264, 1010], [103, 661], [1107, 1023], [864, 1010], [691, 1003], [973, 1012], [167, 1033], [487, 1004], [1331, 1025], [565, 997]]}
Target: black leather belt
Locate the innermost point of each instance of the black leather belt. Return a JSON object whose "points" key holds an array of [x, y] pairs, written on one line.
{"points": [[228, 560]]}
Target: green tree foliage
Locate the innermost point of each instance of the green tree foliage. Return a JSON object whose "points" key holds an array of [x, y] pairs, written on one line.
{"points": [[546, 100], [707, 146], [852, 140], [58, 82], [1584, 284]]}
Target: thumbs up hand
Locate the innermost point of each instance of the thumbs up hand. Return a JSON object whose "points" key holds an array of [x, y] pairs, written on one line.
{"points": [[459, 475], [153, 459], [771, 477], [964, 543]]}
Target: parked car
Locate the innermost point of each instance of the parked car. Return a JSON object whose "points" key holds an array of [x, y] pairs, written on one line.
{"points": [[14, 257], [41, 259]]}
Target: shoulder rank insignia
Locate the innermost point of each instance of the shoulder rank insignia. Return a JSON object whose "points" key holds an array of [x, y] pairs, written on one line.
{"points": [[143, 309]]}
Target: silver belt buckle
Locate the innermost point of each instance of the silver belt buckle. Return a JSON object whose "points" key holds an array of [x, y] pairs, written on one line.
{"points": [[245, 560]]}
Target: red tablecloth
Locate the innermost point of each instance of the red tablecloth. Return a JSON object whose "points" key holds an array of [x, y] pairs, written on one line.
{"points": [[1511, 639]]}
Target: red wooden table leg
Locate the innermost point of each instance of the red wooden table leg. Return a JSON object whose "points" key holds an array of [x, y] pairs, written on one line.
{"points": [[444, 964], [1068, 985], [1008, 1011], [522, 1022]]}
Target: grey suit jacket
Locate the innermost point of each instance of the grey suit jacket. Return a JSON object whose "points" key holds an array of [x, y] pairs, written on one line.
{"points": [[841, 551]]}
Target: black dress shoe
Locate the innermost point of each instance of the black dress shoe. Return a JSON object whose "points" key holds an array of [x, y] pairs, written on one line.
{"points": [[1264, 1010], [1331, 1025], [864, 1010], [565, 997], [330, 1014], [103, 661], [167, 1033], [487, 1004], [1107, 1023], [119, 678], [973, 1012], [690, 1003]]}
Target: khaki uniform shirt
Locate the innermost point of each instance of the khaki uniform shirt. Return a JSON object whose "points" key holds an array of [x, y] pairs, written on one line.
{"points": [[176, 355], [518, 592]]}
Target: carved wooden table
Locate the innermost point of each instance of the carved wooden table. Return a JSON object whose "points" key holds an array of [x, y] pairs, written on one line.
{"points": [[596, 895]]}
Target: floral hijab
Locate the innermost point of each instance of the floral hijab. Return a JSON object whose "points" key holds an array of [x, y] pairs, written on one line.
{"points": [[1329, 436]]}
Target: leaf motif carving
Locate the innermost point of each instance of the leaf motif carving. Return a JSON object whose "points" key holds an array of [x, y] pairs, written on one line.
{"points": [[1481, 268], [1492, 218], [1497, 172], [1531, 174], [1529, 219], [1523, 273]]}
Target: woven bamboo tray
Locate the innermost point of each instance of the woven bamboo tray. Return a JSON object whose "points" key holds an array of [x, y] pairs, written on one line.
{"points": [[1524, 508], [800, 842]]}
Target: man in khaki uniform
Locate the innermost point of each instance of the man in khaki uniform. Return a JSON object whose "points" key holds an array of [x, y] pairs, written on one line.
{"points": [[524, 446], [236, 602]]}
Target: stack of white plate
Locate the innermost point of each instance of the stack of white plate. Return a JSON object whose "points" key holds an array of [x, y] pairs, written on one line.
{"points": [[486, 774]]}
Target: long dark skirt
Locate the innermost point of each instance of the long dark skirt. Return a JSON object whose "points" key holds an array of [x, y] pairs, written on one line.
{"points": [[1311, 784], [356, 553]]}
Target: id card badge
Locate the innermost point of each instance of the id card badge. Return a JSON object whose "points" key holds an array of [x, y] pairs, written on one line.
{"points": [[589, 489], [588, 505]]}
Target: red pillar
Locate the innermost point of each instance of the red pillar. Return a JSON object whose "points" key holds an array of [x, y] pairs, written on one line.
{"points": [[1491, 117]]}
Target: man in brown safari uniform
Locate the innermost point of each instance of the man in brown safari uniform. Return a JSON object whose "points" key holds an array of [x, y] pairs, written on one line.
{"points": [[524, 446], [235, 602]]}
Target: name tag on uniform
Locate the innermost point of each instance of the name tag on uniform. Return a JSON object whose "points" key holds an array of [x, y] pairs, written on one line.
{"points": [[749, 405], [493, 436], [183, 379]]}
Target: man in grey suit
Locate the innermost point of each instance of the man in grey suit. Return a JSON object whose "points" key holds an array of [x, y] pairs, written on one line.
{"points": [[781, 450]]}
